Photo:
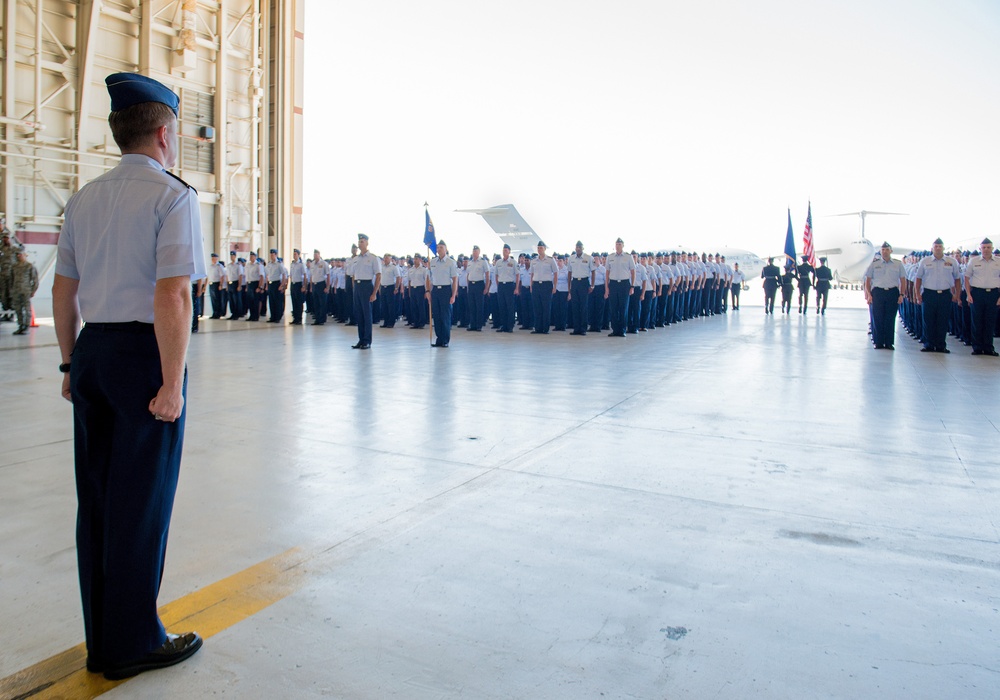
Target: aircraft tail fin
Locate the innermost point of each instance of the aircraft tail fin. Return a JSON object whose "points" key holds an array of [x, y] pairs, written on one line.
{"points": [[509, 225]]}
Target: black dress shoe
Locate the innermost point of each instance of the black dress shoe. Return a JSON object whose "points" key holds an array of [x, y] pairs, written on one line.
{"points": [[993, 353], [977, 352], [927, 349], [946, 351], [93, 665], [177, 648]]}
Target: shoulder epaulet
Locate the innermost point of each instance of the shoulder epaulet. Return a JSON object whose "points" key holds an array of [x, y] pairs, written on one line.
{"points": [[180, 180]]}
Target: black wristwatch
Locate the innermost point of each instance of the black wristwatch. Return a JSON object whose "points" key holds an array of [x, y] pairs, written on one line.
{"points": [[64, 367]]}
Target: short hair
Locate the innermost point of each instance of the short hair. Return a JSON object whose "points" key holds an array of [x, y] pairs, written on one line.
{"points": [[133, 126]]}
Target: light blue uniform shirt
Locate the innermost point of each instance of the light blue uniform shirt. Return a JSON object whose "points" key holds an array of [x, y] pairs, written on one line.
{"points": [[543, 270], [938, 274], [125, 230], [562, 279], [443, 271], [507, 270], [600, 274], [366, 266], [885, 275], [619, 267]]}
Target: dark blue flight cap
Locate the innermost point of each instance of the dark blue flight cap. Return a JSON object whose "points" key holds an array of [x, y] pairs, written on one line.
{"points": [[127, 89]]}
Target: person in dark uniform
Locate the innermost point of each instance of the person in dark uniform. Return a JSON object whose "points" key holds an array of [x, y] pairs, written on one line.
{"points": [[982, 287], [442, 288], [236, 277], [805, 272], [216, 287], [824, 280], [772, 279], [581, 270], [787, 287], [197, 297], [938, 284], [884, 279], [298, 276], [507, 274], [129, 248], [478, 280], [618, 287], [543, 287], [738, 278], [367, 270]]}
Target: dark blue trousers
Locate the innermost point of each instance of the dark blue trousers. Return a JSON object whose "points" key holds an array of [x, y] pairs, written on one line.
{"points": [[541, 297], [936, 308], [505, 297], [477, 300], [297, 301], [127, 464], [885, 303], [363, 309], [418, 306], [441, 309], [618, 303], [579, 304], [275, 300], [390, 305], [984, 318], [218, 305]]}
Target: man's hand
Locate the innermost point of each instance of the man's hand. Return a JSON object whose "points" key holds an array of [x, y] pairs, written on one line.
{"points": [[167, 405]]}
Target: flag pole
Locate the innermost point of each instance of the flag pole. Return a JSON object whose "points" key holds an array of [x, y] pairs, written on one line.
{"points": [[427, 300]]}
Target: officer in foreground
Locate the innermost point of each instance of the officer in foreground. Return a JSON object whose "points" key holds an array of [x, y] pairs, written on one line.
{"points": [[130, 246]]}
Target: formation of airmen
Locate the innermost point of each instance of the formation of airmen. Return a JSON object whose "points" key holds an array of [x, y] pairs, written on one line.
{"points": [[624, 293], [18, 279], [936, 294]]}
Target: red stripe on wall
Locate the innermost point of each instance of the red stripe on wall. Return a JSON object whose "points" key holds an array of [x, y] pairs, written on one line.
{"points": [[38, 237]]}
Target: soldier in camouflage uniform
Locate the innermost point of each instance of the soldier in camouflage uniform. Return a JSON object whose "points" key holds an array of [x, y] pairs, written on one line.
{"points": [[24, 284], [8, 256]]}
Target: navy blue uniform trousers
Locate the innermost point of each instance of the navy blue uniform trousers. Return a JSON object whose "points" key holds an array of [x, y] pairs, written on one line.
{"points": [[127, 464], [441, 309]]}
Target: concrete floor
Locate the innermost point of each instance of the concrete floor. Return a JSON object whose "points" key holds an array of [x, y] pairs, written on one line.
{"points": [[736, 507]]}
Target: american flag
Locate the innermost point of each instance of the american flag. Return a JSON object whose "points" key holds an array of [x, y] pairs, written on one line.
{"points": [[807, 238]]}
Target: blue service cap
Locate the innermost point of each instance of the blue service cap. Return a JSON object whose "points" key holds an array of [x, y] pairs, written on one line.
{"points": [[215, 255], [296, 250], [506, 246], [274, 250], [362, 236], [127, 89]]}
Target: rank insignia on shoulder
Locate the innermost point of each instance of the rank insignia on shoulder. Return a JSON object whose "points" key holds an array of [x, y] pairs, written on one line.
{"points": [[180, 180]]}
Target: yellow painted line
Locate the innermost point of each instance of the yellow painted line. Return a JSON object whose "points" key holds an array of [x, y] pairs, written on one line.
{"points": [[208, 611]]}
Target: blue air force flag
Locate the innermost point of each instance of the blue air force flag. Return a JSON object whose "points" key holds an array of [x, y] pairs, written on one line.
{"points": [[429, 239], [789, 242]]}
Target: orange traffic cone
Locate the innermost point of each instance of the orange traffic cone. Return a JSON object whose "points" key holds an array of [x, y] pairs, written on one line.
{"points": [[33, 324]]}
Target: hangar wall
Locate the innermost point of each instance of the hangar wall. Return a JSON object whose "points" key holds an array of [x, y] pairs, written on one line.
{"points": [[237, 66]]}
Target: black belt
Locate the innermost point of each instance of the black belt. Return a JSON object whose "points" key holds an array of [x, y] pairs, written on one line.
{"points": [[125, 327], [984, 289], [441, 286], [937, 291]]}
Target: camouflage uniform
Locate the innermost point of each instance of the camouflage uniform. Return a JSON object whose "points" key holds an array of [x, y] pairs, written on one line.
{"points": [[24, 284], [8, 256]]}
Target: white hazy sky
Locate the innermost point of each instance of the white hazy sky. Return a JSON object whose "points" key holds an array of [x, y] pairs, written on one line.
{"points": [[664, 122]]}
